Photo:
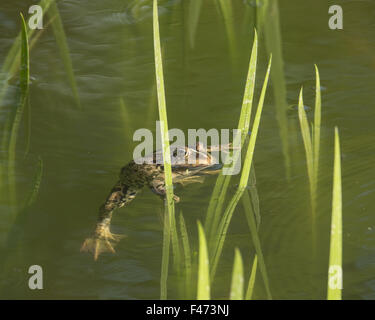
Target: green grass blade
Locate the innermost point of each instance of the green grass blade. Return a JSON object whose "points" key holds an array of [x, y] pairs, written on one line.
{"points": [[203, 291], [176, 250], [305, 130], [317, 122], [237, 287], [227, 216], [222, 183], [251, 284], [187, 258], [163, 124], [248, 97], [254, 133], [24, 88], [12, 60], [162, 108], [335, 253], [193, 18], [27, 125], [62, 43]]}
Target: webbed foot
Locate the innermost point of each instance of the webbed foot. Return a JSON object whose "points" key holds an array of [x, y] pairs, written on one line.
{"points": [[102, 241]]}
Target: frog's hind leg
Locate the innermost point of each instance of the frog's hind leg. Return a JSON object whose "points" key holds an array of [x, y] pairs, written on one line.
{"points": [[103, 240]]}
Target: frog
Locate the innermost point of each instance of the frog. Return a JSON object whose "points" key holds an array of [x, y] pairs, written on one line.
{"points": [[189, 164]]}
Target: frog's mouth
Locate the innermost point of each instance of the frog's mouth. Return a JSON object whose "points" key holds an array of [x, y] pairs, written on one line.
{"points": [[214, 167], [211, 169]]}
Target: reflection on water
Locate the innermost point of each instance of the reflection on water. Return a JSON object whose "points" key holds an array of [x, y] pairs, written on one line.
{"points": [[83, 150]]}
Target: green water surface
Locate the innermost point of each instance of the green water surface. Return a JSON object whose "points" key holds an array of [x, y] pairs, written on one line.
{"points": [[111, 49]]}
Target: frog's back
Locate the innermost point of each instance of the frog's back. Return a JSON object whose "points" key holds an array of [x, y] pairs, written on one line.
{"points": [[138, 175]]}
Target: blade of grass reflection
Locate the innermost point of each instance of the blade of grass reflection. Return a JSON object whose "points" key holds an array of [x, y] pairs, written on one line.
{"points": [[268, 22], [193, 18], [126, 120], [187, 258], [250, 201], [227, 13], [24, 89], [9, 67], [62, 43], [165, 256], [14, 236]]}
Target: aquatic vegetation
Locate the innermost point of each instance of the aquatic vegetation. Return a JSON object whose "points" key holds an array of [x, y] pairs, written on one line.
{"points": [[170, 217], [305, 130], [217, 199], [8, 144], [15, 59], [216, 222], [186, 264], [317, 123], [312, 144], [192, 256], [14, 124], [251, 284], [334, 290], [203, 291], [9, 69], [204, 283], [11, 62], [219, 231], [237, 286]]}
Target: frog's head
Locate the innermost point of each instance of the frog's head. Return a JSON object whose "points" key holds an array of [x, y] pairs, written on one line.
{"points": [[199, 158]]}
